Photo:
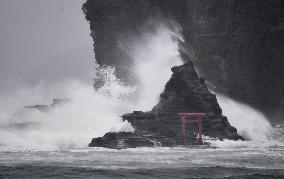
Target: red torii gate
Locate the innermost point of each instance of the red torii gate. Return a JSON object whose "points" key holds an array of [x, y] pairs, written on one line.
{"points": [[187, 118]]}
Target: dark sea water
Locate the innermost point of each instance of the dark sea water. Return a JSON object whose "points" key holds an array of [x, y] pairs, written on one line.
{"points": [[31, 171], [225, 159]]}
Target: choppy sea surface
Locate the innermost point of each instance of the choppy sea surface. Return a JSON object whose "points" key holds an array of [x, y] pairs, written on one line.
{"points": [[224, 159]]}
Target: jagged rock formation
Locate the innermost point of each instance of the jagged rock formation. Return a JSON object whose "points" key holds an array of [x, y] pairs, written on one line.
{"points": [[242, 41], [187, 92], [184, 92]]}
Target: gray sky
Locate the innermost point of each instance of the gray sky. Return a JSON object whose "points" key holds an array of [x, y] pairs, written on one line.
{"points": [[43, 40]]}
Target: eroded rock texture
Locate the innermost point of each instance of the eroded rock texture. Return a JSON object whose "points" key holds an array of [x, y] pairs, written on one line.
{"points": [[184, 92], [236, 44], [242, 41], [113, 21]]}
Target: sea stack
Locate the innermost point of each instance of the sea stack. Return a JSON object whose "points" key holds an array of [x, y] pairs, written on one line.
{"points": [[184, 92]]}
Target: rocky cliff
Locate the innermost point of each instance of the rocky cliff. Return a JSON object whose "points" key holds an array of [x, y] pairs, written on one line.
{"points": [[111, 22], [242, 41], [237, 45]]}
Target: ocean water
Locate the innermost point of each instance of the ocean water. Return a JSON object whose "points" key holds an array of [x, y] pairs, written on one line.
{"points": [[53, 144], [223, 159]]}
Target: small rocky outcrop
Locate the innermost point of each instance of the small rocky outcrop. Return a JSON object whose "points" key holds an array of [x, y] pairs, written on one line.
{"points": [[47, 107], [130, 140], [184, 92]]}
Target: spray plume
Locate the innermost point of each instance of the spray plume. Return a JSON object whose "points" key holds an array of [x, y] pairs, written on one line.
{"points": [[250, 123], [90, 113]]}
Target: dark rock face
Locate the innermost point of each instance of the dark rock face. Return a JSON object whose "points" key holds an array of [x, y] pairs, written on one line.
{"points": [[242, 41], [113, 20], [184, 92], [130, 140]]}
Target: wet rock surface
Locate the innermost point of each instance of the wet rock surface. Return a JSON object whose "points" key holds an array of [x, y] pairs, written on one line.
{"points": [[113, 21], [241, 42], [184, 92], [123, 140]]}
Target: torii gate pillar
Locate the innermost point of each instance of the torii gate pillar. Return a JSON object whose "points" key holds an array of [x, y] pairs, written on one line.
{"points": [[187, 118]]}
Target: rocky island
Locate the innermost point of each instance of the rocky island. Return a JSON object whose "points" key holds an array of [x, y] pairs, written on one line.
{"points": [[184, 92]]}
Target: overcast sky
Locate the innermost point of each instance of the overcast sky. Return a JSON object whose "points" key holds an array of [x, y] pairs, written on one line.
{"points": [[43, 40]]}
